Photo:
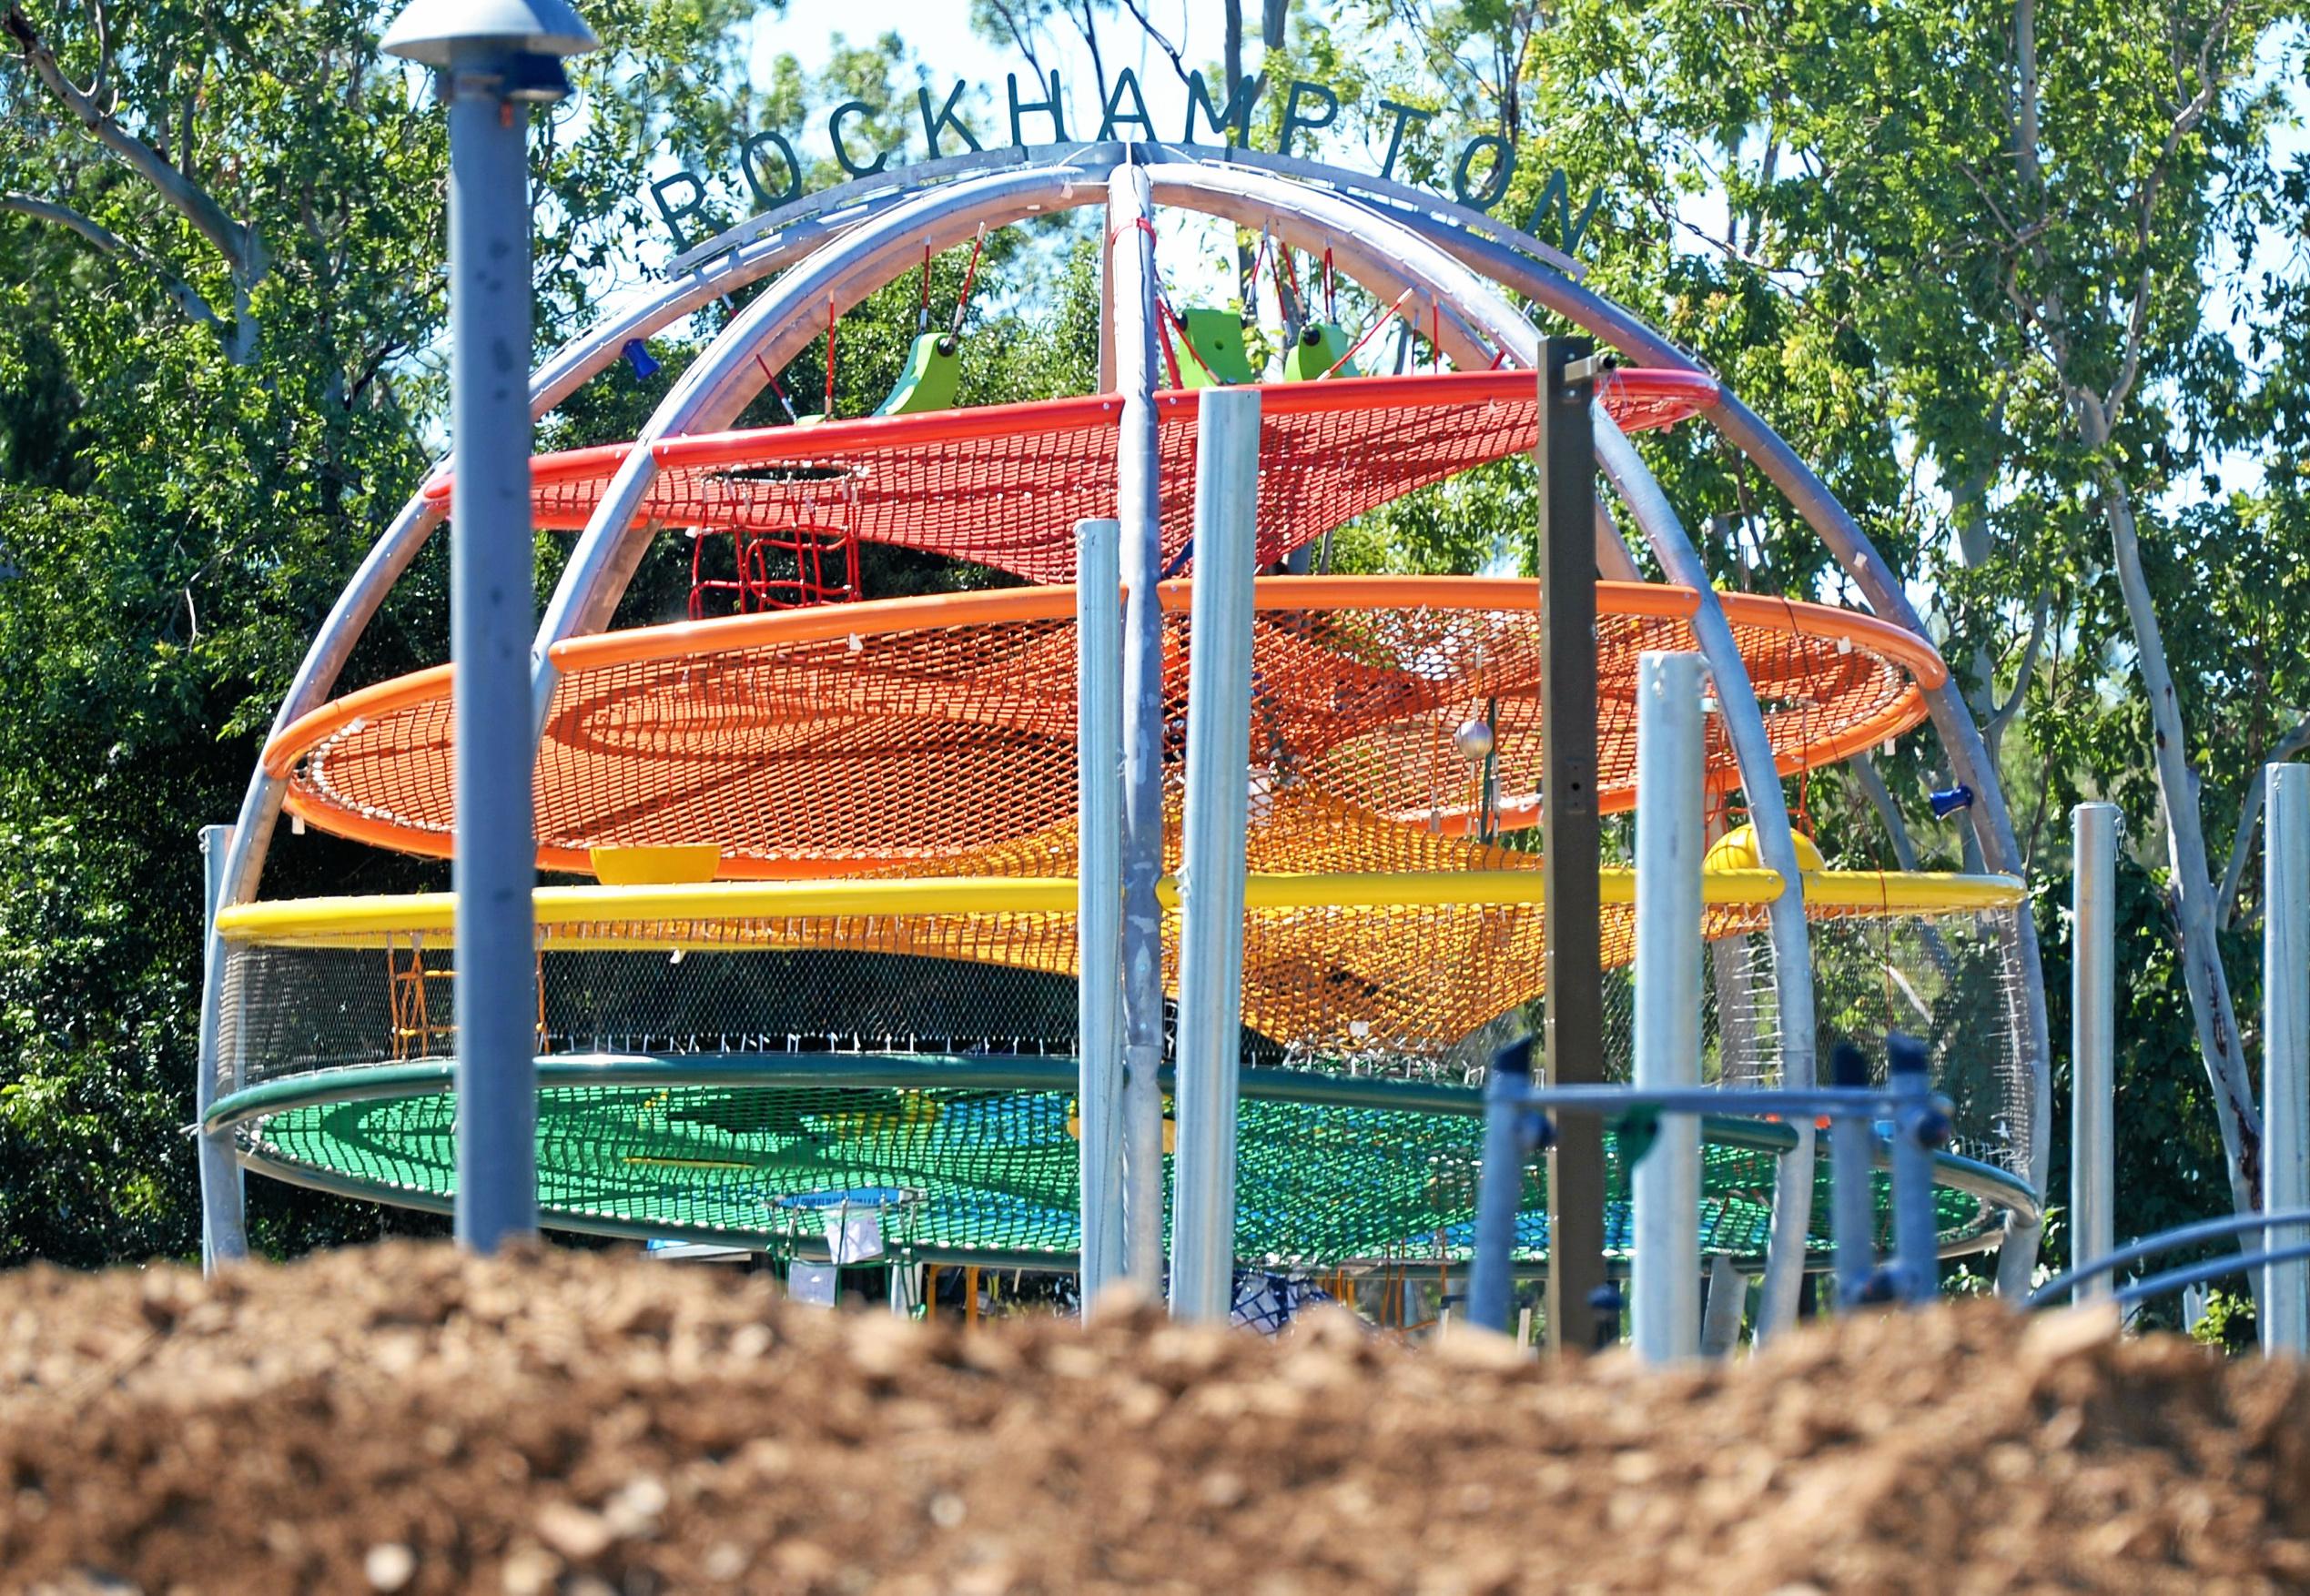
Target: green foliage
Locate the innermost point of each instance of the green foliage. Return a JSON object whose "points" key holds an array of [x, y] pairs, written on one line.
{"points": [[217, 376]]}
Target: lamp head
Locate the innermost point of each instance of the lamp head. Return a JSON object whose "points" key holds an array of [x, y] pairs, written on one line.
{"points": [[436, 32]]}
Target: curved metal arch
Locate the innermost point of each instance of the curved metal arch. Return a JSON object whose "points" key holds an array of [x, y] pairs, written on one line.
{"points": [[1777, 843], [1472, 320], [1953, 718], [736, 365], [1511, 258], [799, 229]]}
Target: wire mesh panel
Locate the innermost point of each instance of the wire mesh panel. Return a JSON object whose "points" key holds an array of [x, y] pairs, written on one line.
{"points": [[1406, 995], [911, 735]]}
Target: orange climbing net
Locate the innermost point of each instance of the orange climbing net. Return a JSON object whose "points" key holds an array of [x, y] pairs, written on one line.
{"points": [[937, 734], [1003, 485]]}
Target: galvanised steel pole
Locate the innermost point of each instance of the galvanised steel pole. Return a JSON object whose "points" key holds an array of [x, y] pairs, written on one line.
{"points": [[224, 1237], [494, 58], [1138, 491], [1099, 754], [1671, 815], [2093, 1038], [2286, 1047], [1211, 857], [492, 613]]}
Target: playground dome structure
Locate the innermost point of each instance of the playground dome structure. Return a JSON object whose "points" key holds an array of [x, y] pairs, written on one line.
{"points": [[819, 945]]}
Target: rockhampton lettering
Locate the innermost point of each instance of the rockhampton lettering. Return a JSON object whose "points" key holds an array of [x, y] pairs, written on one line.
{"points": [[772, 166]]}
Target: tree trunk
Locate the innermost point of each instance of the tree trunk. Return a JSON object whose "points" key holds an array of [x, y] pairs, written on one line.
{"points": [[2209, 987]]}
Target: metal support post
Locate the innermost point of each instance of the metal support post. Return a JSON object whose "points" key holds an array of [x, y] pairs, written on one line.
{"points": [[1574, 1028], [1098, 751], [1916, 1131], [1852, 1177], [1728, 1296], [223, 1202], [492, 64], [1137, 487], [2093, 1032], [1665, 1182], [1507, 1147], [2285, 1047], [1211, 856]]}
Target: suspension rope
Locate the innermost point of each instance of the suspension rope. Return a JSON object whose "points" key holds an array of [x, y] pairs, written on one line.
{"points": [[1378, 321], [827, 409], [970, 278]]}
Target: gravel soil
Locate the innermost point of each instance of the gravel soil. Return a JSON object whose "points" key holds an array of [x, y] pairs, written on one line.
{"points": [[403, 1419]]}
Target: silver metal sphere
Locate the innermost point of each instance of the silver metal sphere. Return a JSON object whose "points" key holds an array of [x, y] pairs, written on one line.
{"points": [[1473, 739]]}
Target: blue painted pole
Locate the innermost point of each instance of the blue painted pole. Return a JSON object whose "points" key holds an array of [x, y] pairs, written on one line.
{"points": [[1500, 1186], [492, 62], [493, 616]]}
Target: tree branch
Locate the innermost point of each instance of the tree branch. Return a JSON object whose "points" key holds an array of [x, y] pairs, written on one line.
{"points": [[2002, 715], [2225, 907], [237, 242], [1146, 27], [108, 242]]}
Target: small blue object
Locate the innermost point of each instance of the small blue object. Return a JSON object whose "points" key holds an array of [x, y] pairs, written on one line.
{"points": [[637, 355], [1948, 802], [856, 1196]]}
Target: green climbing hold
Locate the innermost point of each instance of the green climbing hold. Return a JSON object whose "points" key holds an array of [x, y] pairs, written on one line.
{"points": [[933, 369], [1320, 350], [1214, 355]]}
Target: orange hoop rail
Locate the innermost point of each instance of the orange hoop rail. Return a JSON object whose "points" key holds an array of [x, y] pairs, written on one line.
{"points": [[576, 656], [1003, 485], [1640, 398]]}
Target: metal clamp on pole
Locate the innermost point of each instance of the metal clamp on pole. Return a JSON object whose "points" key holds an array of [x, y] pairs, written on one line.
{"points": [[492, 59]]}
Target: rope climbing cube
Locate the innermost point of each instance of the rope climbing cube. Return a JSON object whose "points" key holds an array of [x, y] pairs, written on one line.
{"points": [[1075, 833]]}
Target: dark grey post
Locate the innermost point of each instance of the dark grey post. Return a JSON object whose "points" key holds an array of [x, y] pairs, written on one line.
{"points": [[1573, 1031], [493, 59]]}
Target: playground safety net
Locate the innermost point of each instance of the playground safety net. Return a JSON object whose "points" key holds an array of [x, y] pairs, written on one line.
{"points": [[916, 734], [1003, 485], [929, 1059]]}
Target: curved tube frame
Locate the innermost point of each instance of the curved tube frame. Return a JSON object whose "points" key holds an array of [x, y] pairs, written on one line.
{"points": [[1760, 774], [1968, 756]]}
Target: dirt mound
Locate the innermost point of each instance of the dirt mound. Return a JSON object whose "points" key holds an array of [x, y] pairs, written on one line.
{"points": [[404, 1419]]}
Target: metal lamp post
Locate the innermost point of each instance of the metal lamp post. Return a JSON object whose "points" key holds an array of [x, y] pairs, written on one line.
{"points": [[492, 59]]}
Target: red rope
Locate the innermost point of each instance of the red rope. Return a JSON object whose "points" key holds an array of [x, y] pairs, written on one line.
{"points": [[828, 409], [1163, 319], [1378, 322], [970, 275]]}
